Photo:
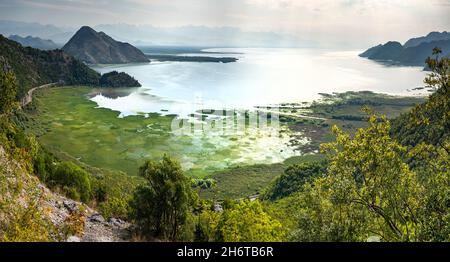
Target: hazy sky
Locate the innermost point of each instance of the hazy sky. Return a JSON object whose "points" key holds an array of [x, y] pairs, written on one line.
{"points": [[380, 20]]}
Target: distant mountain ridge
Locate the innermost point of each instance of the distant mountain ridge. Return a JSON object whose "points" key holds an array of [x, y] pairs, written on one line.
{"points": [[34, 67], [94, 47], [413, 53], [148, 35], [34, 42], [57, 34], [433, 36]]}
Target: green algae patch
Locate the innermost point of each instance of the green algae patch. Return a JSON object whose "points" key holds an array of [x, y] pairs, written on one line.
{"points": [[65, 120]]}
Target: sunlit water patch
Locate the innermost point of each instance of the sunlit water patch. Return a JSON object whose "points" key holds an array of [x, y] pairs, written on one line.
{"points": [[260, 77]]}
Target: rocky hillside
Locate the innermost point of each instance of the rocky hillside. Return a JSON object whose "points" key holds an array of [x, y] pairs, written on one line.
{"points": [[48, 216], [94, 47], [34, 42]]}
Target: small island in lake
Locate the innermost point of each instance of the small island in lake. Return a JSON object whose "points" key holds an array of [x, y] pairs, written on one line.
{"points": [[116, 79], [200, 59]]}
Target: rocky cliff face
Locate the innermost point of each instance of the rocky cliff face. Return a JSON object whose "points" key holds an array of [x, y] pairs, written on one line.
{"points": [[94, 47], [65, 219]]}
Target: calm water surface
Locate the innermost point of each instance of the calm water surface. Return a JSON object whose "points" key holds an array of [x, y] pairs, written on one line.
{"points": [[260, 77]]}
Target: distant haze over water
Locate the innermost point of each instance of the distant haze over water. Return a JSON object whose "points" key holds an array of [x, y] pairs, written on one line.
{"points": [[261, 76]]}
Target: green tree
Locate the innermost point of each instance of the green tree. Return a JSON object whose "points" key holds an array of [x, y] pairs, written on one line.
{"points": [[428, 122], [368, 191], [246, 222], [162, 206], [206, 228], [432, 165], [439, 78], [8, 87]]}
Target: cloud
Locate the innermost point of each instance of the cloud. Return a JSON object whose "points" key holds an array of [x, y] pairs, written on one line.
{"points": [[323, 19]]}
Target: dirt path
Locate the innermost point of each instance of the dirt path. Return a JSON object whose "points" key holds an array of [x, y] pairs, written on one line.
{"points": [[29, 96]]}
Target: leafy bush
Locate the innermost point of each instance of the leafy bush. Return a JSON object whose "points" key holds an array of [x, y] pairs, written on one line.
{"points": [[115, 207], [73, 180], [204, 183], [293, 179], [245, 221]]}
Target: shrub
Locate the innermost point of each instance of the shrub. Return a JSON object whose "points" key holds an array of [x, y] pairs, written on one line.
{"points": [[293, 179], [115, 207], [162, 206], [73, 180], [247, 222]]}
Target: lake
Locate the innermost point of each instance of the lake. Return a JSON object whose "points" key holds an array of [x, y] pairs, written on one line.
{"points": [[122, 139], [262, 76]]}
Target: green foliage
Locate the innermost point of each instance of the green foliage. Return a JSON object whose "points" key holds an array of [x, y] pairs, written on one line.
{"points": [[44, 165], [8, 87], [26, 225], [73, 180], [432, 165], [204, 183], [116, 79], [285, 210], [74, 224], [428, 122], [34, 67], [248, 222], [440, 71], [115, 207], [161, 207], [374, 186], [240, 181], [293, 179], [368, 191], [99, 190], [245, 221], [21, 217], [206, 227]]}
